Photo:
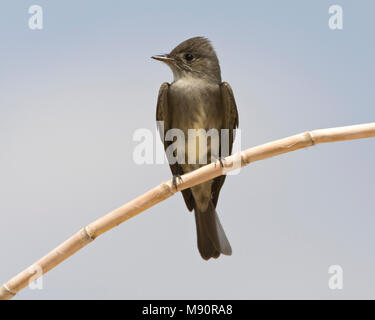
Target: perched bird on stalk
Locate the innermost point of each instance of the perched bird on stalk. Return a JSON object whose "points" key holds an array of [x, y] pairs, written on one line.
{"points": [[197, 99]]}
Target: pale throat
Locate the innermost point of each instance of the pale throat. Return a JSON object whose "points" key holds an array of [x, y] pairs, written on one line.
{"points": [[183, 75]]}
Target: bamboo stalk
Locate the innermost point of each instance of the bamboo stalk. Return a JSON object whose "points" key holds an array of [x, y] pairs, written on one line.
{"points": [[166, 189]]}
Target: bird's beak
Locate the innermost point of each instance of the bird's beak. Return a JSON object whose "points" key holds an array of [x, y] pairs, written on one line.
{"points": [[163, 57]]}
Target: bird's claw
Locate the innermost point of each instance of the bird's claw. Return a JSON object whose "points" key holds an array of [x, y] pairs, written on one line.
{"points": [[221, 160], [174, 180]]}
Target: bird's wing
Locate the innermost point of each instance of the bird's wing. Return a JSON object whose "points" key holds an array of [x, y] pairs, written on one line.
{"points": [[231, 122], [230, 109], [164, 113]]}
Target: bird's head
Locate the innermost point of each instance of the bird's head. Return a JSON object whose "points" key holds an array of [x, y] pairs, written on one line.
{"points": [[194, 57]]}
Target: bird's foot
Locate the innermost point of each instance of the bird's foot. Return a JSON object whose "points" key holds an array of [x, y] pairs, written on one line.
{"points": [[221, 161], [174, 180]]}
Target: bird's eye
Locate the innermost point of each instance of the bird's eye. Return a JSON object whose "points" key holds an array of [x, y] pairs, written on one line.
{"points": [[188, 57]]}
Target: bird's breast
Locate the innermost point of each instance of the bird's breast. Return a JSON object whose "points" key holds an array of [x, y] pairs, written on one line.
{"points": [[195, 104]]}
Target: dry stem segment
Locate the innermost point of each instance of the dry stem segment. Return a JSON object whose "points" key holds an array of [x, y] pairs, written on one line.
{"points": [[166, 189]]}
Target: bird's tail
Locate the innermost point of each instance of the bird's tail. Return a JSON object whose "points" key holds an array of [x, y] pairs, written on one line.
{"points": [[212, 240]]}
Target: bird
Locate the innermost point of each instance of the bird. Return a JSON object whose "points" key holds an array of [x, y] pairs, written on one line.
{"points": [[198, 99]]}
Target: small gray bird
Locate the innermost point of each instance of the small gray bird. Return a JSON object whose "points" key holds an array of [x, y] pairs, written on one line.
{"points": [[197, 99]]}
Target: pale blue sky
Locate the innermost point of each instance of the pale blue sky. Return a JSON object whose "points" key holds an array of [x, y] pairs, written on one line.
{"points": [[72, 95]]}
